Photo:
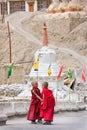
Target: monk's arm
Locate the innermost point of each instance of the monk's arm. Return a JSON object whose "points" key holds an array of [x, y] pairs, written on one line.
{"points": [[37, 96]]}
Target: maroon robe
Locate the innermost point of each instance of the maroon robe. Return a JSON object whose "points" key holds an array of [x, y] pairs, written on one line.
{"points": [[34, 109], [47, 108]]}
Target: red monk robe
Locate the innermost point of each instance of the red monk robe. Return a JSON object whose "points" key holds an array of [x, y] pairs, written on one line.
{"points": [[47, 109], [34, 109]]}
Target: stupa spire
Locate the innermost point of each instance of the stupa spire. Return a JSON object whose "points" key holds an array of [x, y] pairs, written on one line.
{"points": [[45, 36]]}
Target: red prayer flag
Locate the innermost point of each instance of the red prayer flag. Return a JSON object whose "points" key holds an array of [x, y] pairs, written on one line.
{"points": [[83, 76], [60, 71]]}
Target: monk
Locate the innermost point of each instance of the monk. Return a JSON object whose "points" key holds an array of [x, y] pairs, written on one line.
{"points": [[34, 109], [47, 107]]}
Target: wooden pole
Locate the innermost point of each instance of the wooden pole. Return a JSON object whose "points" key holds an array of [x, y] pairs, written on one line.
{"points": [[2, 11], [10, 50], [56, 89], [10, 57]]}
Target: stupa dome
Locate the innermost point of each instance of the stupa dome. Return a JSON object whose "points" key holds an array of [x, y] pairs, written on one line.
{"points": [[44, 58]]}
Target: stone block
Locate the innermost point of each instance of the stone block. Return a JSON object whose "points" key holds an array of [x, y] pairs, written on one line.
{"points": [[3, 119], [20, 107], [69, 106], [7, 108]]}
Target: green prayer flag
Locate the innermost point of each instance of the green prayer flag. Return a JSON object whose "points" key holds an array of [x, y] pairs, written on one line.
{"points": [[9, 70], [69, 74]]}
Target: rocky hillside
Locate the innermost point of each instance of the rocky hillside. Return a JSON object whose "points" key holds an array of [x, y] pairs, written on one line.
{"points": [[67, 34], [22, 49], [65, 30]]}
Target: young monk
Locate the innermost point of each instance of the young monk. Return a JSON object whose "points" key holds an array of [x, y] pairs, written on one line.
{"points": [[47, 108], [34, 109]]}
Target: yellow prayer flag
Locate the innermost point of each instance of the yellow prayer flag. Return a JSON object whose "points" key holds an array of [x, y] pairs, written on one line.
{"points": [[49, 70], [35, 66]]}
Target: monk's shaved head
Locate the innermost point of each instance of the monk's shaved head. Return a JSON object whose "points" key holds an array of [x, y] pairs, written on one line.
{"points": [[34, 84], [45, 84]]}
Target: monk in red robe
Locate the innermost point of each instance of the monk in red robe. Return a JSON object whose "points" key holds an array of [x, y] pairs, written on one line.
{"points": [[34, 109], [47, 107]]}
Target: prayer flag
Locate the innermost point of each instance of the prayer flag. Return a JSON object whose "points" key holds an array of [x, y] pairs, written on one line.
{"points": [[60, 71], [9, 72], [35, 66], [69, 74], [83, 76], [49, 70], [37, 59]]}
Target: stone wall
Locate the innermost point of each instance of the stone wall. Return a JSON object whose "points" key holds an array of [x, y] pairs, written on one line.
{"points": [[18, 75], [20, 108]]}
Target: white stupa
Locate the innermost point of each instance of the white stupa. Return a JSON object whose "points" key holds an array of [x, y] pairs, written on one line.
{"points": [[47, 59]]}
